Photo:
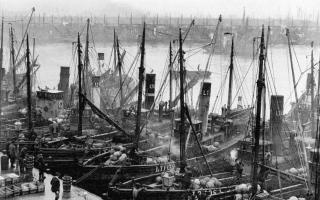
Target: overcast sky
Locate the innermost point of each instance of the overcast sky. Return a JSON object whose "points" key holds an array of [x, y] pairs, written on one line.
{"points": [[255, 8]]}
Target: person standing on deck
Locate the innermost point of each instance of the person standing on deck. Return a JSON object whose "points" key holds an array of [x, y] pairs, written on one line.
{"points": [[12, 153], [41, 166], [22, 157], [55, 186], [239, 168]]}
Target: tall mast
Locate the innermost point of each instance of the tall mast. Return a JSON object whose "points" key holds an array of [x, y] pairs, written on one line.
{"points": [[86, 63], [120, 72], [317, 144], [260, 86], [230, 76], [29, 86], [1, 61], [12, 53], [170, 95], [170, 76], [312, 94], [141, 79], [264, 96], [183, 162], [33, 75], [80, 106], [1, 46], [292, 69], [300, 130], [114, 49]]}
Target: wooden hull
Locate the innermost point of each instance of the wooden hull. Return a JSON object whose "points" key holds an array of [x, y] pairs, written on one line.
{"points": [[151, 194], [106, 173], [66, 161], [99, 180], [126, 191]]}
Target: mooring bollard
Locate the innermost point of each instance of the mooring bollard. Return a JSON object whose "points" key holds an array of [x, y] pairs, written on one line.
{"points": [[67, 180]]}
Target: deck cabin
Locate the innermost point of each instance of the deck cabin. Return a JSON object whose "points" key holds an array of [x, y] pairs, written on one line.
{"points": [[314, 165], [196, 124], [246, 145], [49, 103]]}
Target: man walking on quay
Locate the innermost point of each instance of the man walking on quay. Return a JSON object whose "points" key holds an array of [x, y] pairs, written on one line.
{"points": [[12, 154], [55, 185]]}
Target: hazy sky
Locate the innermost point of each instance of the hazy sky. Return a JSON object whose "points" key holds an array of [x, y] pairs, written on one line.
{"points": [[256, 8]]}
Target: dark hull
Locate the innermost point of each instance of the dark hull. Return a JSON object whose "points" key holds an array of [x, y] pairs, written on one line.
{"points": [[148, 192], [106, 173], [145, 194], [66, 161], [103, 175]]}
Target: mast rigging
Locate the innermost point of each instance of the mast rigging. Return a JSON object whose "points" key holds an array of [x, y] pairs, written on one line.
{"points": [[29, 87], [183, 162], [141, 79], [260, 86], [80, 103]]}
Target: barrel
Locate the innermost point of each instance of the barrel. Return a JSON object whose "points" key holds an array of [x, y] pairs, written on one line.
{"points": [[67, 180], [4, 162], [29, 163]]}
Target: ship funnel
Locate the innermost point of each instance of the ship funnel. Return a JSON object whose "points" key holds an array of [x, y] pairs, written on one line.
{"points": [[96, 91], [276, 113], [150, 90], [100, 56], [64, 82], [204, 104], [239, 106]]}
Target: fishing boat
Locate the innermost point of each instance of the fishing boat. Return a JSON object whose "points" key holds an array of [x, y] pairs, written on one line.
{"points": [[267, 182], [131, 161], [174, 184]]}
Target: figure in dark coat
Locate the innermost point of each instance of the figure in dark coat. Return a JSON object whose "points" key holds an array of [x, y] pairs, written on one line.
{"points": [[55, 186]]}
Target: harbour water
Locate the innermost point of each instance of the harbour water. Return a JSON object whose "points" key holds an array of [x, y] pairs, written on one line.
{"points": [[54, 55]]}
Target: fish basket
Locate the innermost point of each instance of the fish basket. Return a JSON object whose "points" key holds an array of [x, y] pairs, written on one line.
{"points": [[40, 187], [8, 181], [262, 196], [33, 188], [14, 178], [2, 181], [25, 189], [6, 192], [16, 190], [167, 181]]}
